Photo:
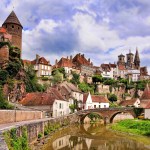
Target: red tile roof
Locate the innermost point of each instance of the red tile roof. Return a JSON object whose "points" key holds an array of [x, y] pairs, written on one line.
{"points": [[41, 60], [146, 93], [2, 30], [65, 62], [148, 105], [144, 103], [95, 98], [36, 99], [143, 71], [127, 102], [81, 60], [26, 62], [121, 67]]}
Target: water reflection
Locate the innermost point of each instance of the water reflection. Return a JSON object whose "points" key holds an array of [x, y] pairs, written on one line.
{"points": [[93, 137]]}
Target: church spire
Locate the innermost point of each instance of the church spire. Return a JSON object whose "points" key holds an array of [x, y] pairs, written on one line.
{"points": [[137, 59]]}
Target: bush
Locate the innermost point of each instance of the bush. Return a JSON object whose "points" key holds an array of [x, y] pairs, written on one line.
{"points": [[40, 135], [112, 97]]}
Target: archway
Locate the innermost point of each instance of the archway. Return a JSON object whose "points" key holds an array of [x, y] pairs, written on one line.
{"points": [[82, 118], [125, 115]]}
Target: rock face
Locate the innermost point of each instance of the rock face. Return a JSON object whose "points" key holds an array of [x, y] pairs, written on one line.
{"points": [[15, 90]]}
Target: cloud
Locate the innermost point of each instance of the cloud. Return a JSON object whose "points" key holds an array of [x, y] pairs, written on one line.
{"points": [[102, 29]]}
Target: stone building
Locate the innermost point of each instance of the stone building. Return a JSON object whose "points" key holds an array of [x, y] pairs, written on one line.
{"points": [[52, 103], [14, 28]]}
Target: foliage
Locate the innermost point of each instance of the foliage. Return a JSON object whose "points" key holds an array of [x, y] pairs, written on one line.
{"points": [[109, 81], [138, 111], [93, 116], [72, 107], [97, 78], [112, 105], [141, 127], [4, 103], [57, 77], [75, 78], [85, 87], [15, 142], [40, 135], [112, 97], [60, 70], [31, 81], [3, 76]]}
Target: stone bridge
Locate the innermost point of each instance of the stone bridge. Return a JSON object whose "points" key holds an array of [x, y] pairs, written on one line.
{"points": [[107, 114]]}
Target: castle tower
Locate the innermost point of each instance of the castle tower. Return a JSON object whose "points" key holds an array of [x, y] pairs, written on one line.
{"points": [[121, 60], [14, 27], [130, 63], [137, 60]]}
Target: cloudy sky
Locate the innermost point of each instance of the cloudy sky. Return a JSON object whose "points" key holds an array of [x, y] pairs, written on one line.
{"points": [[101, 29]]}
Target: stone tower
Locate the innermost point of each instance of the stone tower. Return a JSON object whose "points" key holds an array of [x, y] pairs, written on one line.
{"points": [[130, 63], [137, 60], [121, 60], [14, 27]]}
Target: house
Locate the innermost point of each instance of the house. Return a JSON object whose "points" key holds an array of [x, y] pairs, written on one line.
{"points": [[70, 92], [145, 98], [94, 101], [109, 70], [144, 73], [147, 111], [42, 67], [52, 103], [133, 75], [65, 63], [130, 103]]}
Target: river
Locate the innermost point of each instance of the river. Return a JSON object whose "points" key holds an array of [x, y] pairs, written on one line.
{"points": [[94, 137]]}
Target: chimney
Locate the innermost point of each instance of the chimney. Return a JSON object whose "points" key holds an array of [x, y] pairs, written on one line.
{"points": [[83, 55], [37, 57], [56, 61], [89, 60], [67, 57], [79, 54], [71, 57]]}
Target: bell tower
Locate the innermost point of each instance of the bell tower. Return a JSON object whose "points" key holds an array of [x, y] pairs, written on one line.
{"points": [[130, 63], [14, 27], [121, 60], [137, 60]]}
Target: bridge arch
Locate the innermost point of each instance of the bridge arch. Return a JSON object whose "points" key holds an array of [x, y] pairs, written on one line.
{"points": [[85, 115], [119, 112]]}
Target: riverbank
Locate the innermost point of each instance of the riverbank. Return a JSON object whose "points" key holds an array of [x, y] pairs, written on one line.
{"points": [[138, 127]]}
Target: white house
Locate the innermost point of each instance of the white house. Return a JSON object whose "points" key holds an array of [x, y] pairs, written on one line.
{"points": [[94, 101], [130, 103], [52, 103]]}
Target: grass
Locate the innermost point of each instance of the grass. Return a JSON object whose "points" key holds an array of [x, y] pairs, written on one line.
{"points": [[139, 127]]}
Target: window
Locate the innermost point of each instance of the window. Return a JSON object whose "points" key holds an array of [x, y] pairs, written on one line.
{"points": [[12, 26], [94, 106], [60, 105], [104, 106]]}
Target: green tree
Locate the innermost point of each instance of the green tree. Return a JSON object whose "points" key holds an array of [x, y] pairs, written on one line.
{"points": [[84, 87], [97, 78], [57, 77], [112, 97], [75, 78]]}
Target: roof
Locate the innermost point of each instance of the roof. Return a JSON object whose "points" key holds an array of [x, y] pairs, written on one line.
{"points": [[40, 60], [146, 93], [128, 102], [144, 103], [121, 67], [148, 105], [3, 30], [95, 98], [37, 98], [121, 55], [143, 71], [81, 60], [106, 67], [12, 18], [65, 62], [26, 62]]}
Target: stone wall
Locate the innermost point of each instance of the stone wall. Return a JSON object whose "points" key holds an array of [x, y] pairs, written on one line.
{"points": [[9, 116], [36, 127]]}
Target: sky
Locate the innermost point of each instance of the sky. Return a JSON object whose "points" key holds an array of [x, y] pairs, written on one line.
{"points": [[100, 29]]}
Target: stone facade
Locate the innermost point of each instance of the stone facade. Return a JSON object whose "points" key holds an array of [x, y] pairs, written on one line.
{"points": [[4, 54]]}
